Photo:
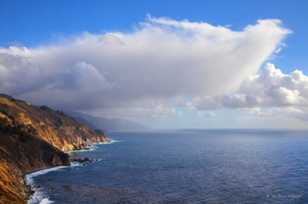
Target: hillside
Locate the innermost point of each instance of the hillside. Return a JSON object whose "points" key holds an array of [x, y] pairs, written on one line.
{"points": [[33, 138]]}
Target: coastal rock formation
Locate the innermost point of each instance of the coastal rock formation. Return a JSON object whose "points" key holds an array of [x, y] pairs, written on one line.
{"points": [[33, 138]]}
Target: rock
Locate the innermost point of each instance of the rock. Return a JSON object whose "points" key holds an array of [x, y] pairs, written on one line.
{"points": [[34, 138], [81, 159]]}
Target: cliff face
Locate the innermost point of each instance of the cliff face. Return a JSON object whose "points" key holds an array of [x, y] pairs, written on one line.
{"points": [[33, 138]]}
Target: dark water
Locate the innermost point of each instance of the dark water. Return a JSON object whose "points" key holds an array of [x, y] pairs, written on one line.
{"points": [[189, 167]]}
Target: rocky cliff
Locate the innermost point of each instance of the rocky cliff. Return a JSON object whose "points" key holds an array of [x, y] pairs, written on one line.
{"points": [[33, 138]]}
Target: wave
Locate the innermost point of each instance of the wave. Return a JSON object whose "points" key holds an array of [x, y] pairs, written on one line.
{"points": [[41, 201], [39, 196], [88, 149], [109, 142], [93, 147]]}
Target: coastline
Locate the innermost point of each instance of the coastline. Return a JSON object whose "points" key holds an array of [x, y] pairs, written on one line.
{"points": [[34, 138], [38, 196]]}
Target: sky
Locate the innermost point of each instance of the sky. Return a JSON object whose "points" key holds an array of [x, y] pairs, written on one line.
{"points": [[165, 64]]}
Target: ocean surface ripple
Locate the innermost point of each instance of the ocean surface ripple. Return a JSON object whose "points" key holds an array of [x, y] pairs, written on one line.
{"points": [[187, 167]]}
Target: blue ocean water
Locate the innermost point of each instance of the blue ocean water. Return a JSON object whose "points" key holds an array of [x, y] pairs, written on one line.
{"points": [[188, 167]]}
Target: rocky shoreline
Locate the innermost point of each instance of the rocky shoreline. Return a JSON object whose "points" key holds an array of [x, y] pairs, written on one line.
{"points": [[35, 194], [34, 138]]}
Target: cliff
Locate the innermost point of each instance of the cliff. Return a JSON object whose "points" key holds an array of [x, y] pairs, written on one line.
{"points": [[33, 138]]}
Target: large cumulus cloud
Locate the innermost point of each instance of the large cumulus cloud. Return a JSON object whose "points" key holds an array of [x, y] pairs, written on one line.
{"points": [[161, 63], [269, 88], [270, 92]]}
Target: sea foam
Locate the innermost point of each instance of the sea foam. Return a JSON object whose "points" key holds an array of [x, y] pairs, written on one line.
{"points": [[93, 147], [39, 196], [110, 142]]}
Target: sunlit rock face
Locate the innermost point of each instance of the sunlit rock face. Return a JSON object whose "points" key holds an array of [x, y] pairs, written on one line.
{"points": [[33, 138]]}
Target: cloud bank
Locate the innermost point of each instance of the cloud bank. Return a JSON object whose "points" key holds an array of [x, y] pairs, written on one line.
{"points": [[270, 89], [161, 64]]}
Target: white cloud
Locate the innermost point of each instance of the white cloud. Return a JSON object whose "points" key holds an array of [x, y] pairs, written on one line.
{"points": [[149, 68], [271, 92]]}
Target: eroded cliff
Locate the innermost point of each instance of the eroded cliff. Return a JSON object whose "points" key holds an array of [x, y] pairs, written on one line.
{"points": [[33, 138]]}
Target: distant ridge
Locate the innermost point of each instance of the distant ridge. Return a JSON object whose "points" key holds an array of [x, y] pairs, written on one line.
{"points": [[107, 124]]}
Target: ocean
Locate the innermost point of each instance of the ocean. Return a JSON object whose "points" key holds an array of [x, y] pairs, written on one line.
{"points": [[185, 167]]}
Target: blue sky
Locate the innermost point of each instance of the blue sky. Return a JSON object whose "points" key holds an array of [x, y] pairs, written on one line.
{"points": [[37, 27], [33, 22]]}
